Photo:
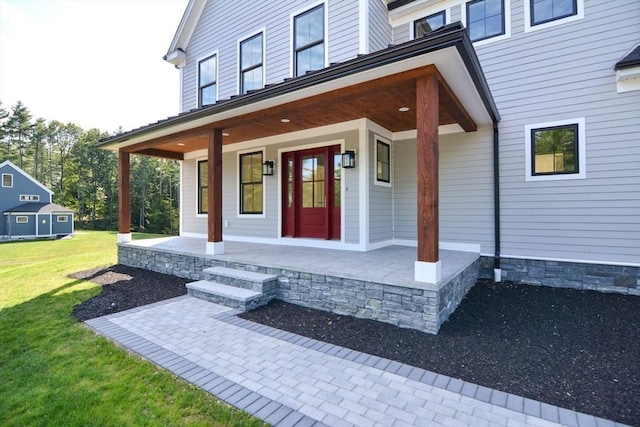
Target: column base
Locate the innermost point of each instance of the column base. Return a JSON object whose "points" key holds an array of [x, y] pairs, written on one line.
{"points": [[124, 237], [429, 272], [215, 248]]}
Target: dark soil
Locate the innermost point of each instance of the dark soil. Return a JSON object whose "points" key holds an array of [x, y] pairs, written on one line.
{"points": [[124, 288], [575, 349]]}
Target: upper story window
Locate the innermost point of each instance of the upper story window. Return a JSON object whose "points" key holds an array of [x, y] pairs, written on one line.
{"points": [[430, 23], [550, 10], [485, 19], [29, 198], [556, 150], [203, 187], [251, 191], [308, 42], [251, 63], [207, 80], [7, 180]]}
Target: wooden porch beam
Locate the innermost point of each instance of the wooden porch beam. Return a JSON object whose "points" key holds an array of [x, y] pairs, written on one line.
{"points": [[459, 113], [175, 137], [124, 193], [427, 118], [214, 182], [154, 152]]}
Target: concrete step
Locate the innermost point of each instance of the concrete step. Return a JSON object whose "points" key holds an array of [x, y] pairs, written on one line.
{"points": [[230, 296], [265, 283]]}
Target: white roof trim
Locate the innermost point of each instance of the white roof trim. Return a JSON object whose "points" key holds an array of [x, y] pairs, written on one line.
{"points": [[187, 25], [26, 175]]}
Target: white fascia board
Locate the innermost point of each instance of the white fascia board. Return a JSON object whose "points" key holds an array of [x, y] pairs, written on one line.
{"points": [[447, 61], [187, 25]]}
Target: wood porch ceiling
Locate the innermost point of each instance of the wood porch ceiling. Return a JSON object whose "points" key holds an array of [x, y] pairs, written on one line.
{"points": [[378, 100]]}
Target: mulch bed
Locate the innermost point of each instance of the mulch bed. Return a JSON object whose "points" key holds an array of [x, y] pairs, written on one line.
{"points": [[575, 349]]}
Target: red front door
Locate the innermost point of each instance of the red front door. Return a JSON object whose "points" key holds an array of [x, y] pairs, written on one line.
{"points": [[311, 193]]}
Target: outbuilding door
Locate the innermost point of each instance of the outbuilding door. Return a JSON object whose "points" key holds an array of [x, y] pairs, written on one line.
{"points": [[311, 193]]}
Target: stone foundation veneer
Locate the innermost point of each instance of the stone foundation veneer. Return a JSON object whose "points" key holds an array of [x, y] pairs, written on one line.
{"points": [[596, 277], [423, 308]]}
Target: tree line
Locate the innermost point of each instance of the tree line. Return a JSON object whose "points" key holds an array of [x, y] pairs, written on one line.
{"points": [[66, 159]]}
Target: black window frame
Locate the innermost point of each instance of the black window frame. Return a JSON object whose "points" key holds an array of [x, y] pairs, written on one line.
{"points": [[387, 146], [532, 22], [576, 147], [201, 86], [242, 210], [299, 49], [243, 69], [202, 209], [502, 13], [426, 19]]}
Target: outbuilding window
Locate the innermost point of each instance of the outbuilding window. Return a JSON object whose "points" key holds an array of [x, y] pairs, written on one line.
{"points": [[29, 198], [62, 218], [7, 180], [22, 219]]}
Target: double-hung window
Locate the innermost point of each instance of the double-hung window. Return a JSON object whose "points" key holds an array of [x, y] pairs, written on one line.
{"points": [[555, 150], [251, 63], [251, 190], [428, 24], [485, 19], [308, 40], [543, 11], [203, 187], [207, 80]]}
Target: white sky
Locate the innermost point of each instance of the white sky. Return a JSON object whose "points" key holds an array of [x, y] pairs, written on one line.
{"points": [[95, 63]]}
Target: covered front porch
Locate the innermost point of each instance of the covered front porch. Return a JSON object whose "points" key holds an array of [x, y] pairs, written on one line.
{"points": [[377, 284]]}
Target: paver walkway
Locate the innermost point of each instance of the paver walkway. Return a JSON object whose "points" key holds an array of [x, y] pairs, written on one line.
{"points": [[289, 380]]}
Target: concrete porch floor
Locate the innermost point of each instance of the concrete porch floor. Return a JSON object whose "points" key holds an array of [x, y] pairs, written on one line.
{"points": [[392, 265]]}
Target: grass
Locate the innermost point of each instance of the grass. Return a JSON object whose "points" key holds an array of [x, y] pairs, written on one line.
{"points": [[54, 371]]}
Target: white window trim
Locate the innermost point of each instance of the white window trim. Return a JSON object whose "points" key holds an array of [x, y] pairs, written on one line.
{"points": [[582, 157], [62, 218], [262, 150], [412, 24], [29, 198], [292, 17], [507, 24], [200, 59], [7, 174], [527, 17], [19, 217], [262, 31], [377, 138]]}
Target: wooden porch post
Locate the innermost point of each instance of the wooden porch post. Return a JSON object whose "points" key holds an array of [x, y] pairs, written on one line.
{"points": [[215, 245], [124, 197], [428, 266]]}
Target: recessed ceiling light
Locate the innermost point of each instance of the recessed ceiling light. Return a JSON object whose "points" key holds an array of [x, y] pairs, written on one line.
{"points": [[181, 144], [285, 120], [403, 109], [225, 134]]}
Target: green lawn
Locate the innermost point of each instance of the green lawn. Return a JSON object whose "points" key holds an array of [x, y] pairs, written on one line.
{"points": [[53, 371]]}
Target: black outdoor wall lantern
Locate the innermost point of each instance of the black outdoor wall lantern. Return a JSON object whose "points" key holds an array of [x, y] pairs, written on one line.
{"points": [[349, 159], [267, 168]]}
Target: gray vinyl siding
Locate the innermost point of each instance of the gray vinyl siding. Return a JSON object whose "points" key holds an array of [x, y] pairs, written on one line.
{"points": [[465, 191], [249, 226], [401, 33], [597, 218], [222, 25], [379, 27], [380, 200]]}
